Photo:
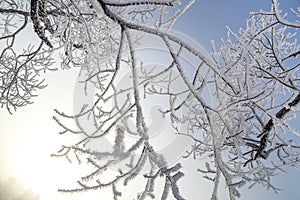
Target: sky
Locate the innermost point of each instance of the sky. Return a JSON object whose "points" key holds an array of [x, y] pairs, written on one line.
{"points": [[29, 136]]}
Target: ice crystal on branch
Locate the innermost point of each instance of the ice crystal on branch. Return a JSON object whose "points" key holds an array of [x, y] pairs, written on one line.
{"points": [[237, 106]]}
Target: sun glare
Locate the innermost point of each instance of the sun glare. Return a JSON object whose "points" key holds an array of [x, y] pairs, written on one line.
{"points": [[45, 174]]}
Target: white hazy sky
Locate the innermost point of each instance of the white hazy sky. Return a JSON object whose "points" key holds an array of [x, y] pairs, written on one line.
{"points": [[29, 136]]}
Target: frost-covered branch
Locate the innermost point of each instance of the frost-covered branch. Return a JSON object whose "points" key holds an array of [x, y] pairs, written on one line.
{"points": [[253, 125], [237, 105], [281, 18]]}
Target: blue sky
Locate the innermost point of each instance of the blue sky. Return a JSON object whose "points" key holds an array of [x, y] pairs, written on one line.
{"points": [[207, 20], [31, 132]]}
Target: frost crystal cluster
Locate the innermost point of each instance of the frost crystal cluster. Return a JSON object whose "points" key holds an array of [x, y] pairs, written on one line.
{"points": [[245, 127]]}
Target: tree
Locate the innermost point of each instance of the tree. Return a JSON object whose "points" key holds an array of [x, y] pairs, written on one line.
{"points": [[253, 78], [254, 137]]}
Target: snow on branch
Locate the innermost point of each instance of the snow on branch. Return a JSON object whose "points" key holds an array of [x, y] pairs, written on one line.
{"points": [[237, 105]]}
